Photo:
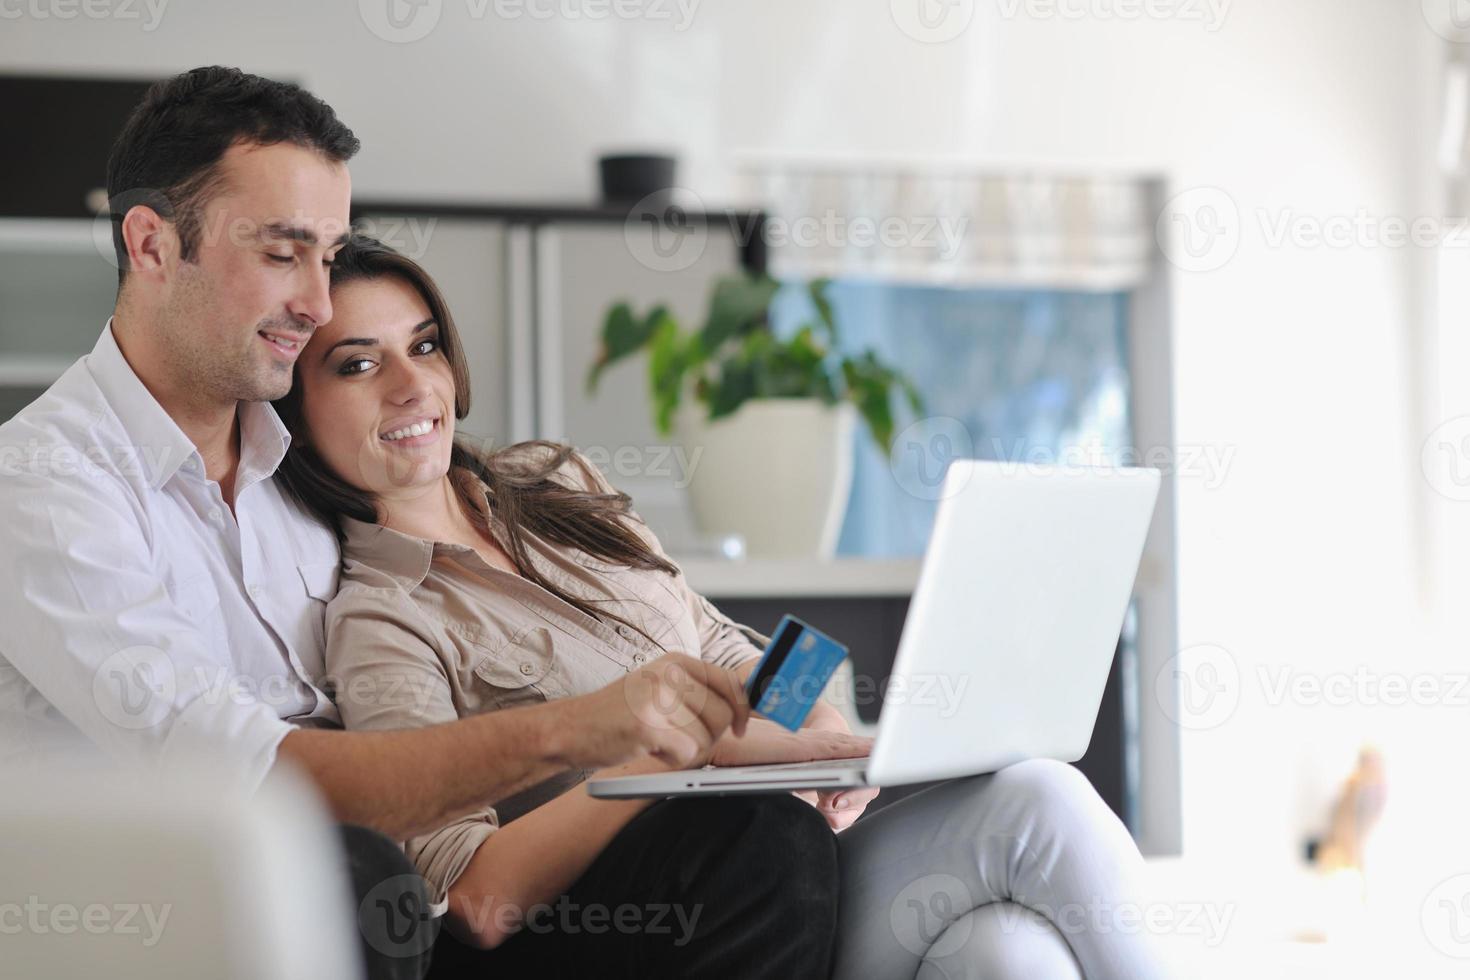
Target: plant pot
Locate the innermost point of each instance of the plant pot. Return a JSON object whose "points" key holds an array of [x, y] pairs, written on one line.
{"points": [[778, 471]]}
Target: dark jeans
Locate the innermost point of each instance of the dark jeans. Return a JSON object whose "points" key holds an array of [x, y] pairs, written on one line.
{"points": [[733, 888], [394, 929]]}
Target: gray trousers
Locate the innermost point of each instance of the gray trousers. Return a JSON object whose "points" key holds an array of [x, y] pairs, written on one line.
{"points": [[1023, 873]]}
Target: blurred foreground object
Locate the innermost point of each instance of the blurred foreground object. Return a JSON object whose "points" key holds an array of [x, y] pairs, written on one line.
{"points": [[129, 875]]}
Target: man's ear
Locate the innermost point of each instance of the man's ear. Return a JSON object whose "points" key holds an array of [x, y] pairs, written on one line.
{"points": [[150, 240]]}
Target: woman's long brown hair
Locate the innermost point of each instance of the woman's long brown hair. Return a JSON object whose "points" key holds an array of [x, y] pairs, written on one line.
{"points": [[516, 479]]}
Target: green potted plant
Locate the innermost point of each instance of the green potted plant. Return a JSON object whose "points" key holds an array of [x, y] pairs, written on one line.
{"points": [[768, 419]]}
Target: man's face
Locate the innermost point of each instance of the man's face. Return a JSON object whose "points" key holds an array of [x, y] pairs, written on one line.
{"points": [[235, 318]]}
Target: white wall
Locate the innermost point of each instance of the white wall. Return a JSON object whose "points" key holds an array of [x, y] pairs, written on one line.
{"points": [[1297, 360]]}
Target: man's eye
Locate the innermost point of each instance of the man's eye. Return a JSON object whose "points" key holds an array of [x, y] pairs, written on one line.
{"points": [[284, 259], [350, 367]]}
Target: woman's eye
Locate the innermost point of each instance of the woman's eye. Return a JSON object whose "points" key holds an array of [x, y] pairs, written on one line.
{"points": [[351, 367], [425, 347]]}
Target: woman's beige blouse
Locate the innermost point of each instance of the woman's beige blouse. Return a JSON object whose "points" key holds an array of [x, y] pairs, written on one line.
{"points": [[423, 632]]}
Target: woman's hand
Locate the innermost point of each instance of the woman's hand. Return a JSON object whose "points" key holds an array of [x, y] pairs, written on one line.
{"points": [[841, 807], [766, 742]]}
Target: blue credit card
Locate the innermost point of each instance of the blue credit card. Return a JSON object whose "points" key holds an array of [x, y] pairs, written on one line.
{"points": [[797, 665]]}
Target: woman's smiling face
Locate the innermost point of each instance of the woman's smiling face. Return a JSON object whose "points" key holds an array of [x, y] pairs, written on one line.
{"points": [[377, 393]]}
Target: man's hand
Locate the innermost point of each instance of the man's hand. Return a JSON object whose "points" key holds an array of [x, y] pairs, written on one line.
{"points": [[673, 710]]}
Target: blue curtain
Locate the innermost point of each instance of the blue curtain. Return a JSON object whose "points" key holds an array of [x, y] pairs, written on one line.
{"points": [[1012, 375]]}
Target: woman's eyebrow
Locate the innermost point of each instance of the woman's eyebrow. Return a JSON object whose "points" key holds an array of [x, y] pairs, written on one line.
{"points": [[369, 341]]}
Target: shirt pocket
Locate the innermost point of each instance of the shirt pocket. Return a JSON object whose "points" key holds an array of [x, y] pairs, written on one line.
{"points": [[521, 670], [197, 597], [319, 581]]}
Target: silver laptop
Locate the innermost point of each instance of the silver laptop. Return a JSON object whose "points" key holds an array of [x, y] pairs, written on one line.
{"points": [[1008, 640]]}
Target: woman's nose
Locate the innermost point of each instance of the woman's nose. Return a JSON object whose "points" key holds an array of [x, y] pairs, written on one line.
{"points": [[407, 382]]}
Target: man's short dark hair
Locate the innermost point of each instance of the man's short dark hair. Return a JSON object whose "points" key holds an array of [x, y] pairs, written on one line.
{"points": [[167, 155]]}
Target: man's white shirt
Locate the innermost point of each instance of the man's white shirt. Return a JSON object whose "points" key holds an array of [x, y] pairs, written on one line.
{"points": [[138, 615]]}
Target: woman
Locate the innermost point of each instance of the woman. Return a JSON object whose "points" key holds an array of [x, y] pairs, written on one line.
{"points": [[475, 581]]}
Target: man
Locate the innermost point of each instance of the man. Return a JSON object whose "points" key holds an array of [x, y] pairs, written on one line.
{"points": [[163, 598]]}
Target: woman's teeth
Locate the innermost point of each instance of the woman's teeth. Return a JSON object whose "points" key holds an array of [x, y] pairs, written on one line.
{"points": [[417, 429]]}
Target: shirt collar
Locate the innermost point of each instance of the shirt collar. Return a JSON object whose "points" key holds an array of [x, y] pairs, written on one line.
{"points": [[405, 557], [161, 446]]}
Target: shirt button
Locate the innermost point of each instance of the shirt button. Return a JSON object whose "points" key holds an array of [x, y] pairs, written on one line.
{"points": [[254, 591], [638, 658], [528, 669], [625, 630], [214, 514]]}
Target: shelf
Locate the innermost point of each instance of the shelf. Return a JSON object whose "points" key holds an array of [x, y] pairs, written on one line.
{"points": [[758, 578], [31, 370]]}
